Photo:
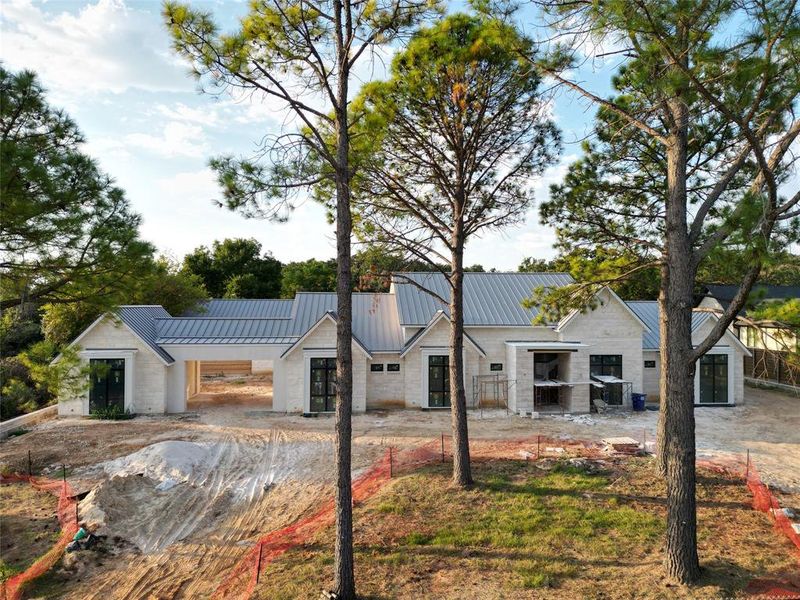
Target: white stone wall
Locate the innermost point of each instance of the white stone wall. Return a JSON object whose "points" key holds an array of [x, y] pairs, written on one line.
{"points": [[651, 377], [385, 388], [149, 372], [608, 329], [438, 337], [323, 338], [726, 343]]}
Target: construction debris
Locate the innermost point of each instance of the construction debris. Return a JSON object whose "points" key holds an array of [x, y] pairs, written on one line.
{"points": [[625, 445]]}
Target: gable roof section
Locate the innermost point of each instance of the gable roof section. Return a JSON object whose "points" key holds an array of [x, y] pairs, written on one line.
{"points": [[490, 299], [140, 321], [565, 321], [328, 315], [417, 337], [648, 311]]}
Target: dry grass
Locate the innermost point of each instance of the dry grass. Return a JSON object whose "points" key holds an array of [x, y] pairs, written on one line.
{"points": [[525, 532], [28, 526]]}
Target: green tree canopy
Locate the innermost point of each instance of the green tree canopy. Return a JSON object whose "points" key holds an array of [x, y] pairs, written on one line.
{"points": [[236, 268], [310, 275], [67, 233]]}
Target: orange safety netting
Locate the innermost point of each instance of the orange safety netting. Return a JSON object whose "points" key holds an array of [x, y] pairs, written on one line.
{"points": [[242, 581], [67, 517], [763, 499]]}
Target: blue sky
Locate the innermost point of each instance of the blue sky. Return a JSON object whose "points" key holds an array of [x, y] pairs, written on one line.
{"points": [[110, 65]]}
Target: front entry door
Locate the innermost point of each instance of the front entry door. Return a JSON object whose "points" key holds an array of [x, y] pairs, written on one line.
{"points": [[323, 384], [714, 379], [438, 381], [108, 384]]}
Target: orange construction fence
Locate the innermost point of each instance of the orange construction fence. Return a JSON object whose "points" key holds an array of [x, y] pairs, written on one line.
{"points": [[242, 580], [67, 517]]}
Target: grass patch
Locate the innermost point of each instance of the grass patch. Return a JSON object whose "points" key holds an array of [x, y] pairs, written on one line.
{"points": [[111, 413], [28, 526], [526, 532]]}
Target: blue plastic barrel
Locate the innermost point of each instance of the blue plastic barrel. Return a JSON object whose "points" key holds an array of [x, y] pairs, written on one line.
{"points": [[638, 401]]}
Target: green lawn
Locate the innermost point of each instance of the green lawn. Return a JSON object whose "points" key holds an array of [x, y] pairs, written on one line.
{"points": [[529, 532]]}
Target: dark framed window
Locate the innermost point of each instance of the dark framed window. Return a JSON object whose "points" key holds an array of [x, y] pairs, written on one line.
{"points": [[323, 385], [393, 367], [609, 365], [649, 364], [108, 383], [714, 379], [496, 367], [376, 367], [606, 364], [438, 381]]}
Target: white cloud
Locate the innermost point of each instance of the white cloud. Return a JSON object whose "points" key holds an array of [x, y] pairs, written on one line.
{"points": [[105, 47], [176, 139], [187, 198]]}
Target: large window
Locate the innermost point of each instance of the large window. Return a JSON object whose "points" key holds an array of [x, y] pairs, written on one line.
{"points": [[609, 365], [323, 384], [438, 381], [108, 384], [714, 379], [606, 364]]}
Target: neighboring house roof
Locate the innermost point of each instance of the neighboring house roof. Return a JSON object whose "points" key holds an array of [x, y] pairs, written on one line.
{"points": [[724, 294], [490, 299], [142, 320], [243, 309], [648, 312]]}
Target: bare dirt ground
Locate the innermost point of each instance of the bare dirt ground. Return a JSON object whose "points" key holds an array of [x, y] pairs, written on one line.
{"points": [[768, 425], [179, 538], [182, 541]]}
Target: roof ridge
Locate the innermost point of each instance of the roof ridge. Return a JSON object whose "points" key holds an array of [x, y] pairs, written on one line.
{"points": [[485, 273], [140, 306]]}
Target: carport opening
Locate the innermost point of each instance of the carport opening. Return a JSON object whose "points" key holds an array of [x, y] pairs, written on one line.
{"points": [[230, 382]]}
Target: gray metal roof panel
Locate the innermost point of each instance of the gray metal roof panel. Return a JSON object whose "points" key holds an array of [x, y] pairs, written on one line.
{"points": [[233, 308], [648, 311], [489, 298], [375, 323], [141, 319], [201, 330]]}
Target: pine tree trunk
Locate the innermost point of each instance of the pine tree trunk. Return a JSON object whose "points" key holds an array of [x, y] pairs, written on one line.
{"points": [[344, 583], [462, 472], [677, 364]]}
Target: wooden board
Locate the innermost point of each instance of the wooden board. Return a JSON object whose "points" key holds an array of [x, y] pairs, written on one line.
{"points": [[226, 367]]}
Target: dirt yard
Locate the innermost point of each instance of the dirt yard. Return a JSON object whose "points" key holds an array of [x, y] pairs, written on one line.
{"points": [[181, 499], [28, 526], [768, 424]]}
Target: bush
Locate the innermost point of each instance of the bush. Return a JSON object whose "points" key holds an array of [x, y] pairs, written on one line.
{"points": [[111, 413], [18, 391]]}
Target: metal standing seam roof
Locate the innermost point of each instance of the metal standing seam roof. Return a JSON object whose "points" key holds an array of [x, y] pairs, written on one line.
{"points": [[216, 330], [244, 309], [142, 320], [490, 299], [375, 322], [648, 312]]}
